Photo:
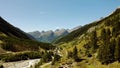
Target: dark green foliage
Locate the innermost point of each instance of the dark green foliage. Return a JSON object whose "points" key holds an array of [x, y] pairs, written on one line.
{"points": [[112, 50], [11, 31], [108, 33], [117, 50], [56, 58], [75, 52], [114, 33], [94, 45], [15, 44], [91, 46], [108, 23], [103, 34], [107, 49], [47, 57], [20, 56], [8, 46], [70, 54], [74, 55], [1, 66]]}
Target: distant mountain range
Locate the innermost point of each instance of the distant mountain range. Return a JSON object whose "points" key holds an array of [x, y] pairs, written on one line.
{"points": [[50, 36]]}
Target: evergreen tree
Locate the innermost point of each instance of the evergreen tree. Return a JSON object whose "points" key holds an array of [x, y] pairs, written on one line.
{"points": [[103, 35], [107, 23], [114, 32], [112, 50], [47, 57], [75, 54], [117, 50], [102, 49], [108, 32], [75, 51], [70, 54], [106, 51], [93, 42]]}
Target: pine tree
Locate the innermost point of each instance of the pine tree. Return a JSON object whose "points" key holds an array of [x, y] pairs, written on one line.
{"points": [[75, 54], [93, 42], [117, 50], [112, 50], [108, 32], [106, 51], [102, 49], [103, 35]]}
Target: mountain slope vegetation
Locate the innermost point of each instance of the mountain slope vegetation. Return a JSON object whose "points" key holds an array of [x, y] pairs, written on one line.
{"points": [[13, 39], [10, 30], [99, 41], [77, 33]]}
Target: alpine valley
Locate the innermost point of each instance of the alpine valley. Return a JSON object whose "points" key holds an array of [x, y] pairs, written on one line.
{"points": [[94, 45]]}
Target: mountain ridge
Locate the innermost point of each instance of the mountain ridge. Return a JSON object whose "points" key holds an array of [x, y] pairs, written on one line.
{"points": [[48, 36]]}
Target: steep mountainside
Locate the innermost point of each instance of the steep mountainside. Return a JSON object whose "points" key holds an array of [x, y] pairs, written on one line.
{"points": [[14, 39], [49, 36], [77, 33], [95, 42], [10, 30]]}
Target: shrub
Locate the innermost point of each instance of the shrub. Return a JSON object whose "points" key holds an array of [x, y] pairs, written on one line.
{"points": [[21, 56], [1, 66]]}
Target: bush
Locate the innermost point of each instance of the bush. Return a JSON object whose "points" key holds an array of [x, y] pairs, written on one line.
{"points": [[20, 56], [1, 66], [47, 57], [56, 58]]}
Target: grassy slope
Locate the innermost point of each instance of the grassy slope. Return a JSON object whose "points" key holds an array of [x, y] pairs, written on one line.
{"points": [[77, 33], [81, 37]]}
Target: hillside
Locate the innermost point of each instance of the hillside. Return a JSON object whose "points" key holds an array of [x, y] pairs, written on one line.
{"points": [[77, 33], [10, 30], [14, 39], [97, 43]]}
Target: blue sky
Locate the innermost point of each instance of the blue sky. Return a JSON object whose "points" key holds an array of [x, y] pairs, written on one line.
{"points": [[31, 15]]}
